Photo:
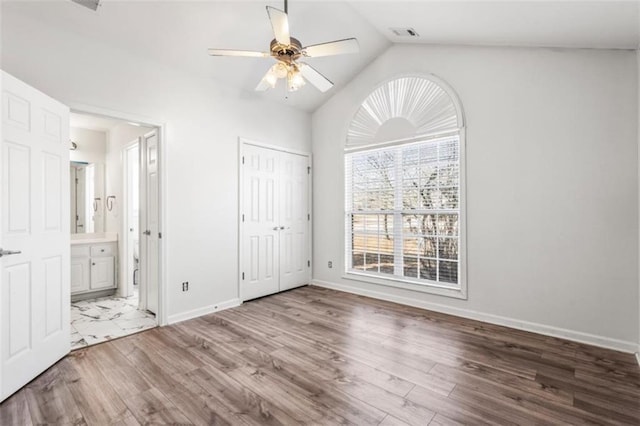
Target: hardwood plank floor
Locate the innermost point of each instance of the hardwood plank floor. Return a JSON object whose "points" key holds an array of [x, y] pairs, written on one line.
{"points": [[318, 356]]}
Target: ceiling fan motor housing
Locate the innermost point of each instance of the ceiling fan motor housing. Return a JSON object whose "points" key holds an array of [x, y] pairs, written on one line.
{"points": [[286, 53]]}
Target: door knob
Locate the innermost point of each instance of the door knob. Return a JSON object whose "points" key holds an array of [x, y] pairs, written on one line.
{"points": [[147, 232], [275, 228], [8, 252]]}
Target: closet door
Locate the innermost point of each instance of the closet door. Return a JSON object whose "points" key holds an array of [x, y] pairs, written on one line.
{"points": [[260, 222], [294, 220]]}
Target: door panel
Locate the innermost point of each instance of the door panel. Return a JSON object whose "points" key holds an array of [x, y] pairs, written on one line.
{"points": [[294, 238], [54, 304], [17, 188], [260, 259], [17, 281], [34, 205], [52, 192]]}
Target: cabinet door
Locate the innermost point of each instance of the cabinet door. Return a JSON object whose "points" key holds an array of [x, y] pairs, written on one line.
{"points": [[102, 272], [79, 274]]}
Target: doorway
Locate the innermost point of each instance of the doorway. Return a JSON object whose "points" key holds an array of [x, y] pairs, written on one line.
{"points": [[111, 294]]}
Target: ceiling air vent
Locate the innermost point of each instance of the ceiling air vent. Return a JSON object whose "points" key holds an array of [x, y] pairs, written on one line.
{"points": [[91, 4], [404, 32]]}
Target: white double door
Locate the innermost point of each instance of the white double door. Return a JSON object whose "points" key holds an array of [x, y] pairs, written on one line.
{"points": [[275, 221], [34, 234]]}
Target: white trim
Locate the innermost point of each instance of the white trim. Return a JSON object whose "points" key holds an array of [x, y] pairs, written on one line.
{"points": [[638, 355], [124, 229], [406, 284], [194, 313], [547, 330], [393, 280], [163, 291]]}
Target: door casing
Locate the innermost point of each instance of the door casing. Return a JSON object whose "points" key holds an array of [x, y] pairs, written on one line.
{"points": [[162, 314]]}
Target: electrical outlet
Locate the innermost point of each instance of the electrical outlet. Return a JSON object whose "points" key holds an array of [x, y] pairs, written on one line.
{"points": [[185, 286], [330, 264]]}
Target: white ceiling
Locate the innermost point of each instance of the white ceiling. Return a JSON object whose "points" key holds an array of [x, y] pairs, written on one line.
{"points": [[178, 33], [566, 23]]}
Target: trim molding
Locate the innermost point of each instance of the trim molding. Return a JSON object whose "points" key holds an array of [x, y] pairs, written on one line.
{"points": [[563, 333], [638, 355], [194, 313]]}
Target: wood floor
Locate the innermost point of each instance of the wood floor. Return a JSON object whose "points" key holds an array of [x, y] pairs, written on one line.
{"points": [[317, 356]]}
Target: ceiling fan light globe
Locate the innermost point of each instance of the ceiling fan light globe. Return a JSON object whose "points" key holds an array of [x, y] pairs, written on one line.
{"points": [[281, 70], [271, 80], [295, 80]]}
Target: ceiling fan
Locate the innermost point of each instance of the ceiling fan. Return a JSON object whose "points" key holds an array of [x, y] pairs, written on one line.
{"points": [[287, 51]]}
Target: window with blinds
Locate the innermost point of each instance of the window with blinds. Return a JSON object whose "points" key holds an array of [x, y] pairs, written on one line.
{"points": [[403, 212]]}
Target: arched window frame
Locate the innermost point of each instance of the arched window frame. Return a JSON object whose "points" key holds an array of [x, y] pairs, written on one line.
{"points": [[458, 290]]}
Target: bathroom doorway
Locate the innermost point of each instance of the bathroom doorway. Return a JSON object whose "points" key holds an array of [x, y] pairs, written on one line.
{"points": [[111, 272]]}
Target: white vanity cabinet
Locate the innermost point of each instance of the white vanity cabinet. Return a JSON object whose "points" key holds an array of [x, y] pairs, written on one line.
{"points": [[93, 267]]}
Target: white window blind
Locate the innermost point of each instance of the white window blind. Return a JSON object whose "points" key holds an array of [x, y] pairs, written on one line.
{"points": [[403, 212]]}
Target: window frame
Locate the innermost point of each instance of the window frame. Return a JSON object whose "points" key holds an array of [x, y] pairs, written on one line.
{"points": [[420, 285]]}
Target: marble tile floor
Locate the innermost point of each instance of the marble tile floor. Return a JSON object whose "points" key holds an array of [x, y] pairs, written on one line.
{"points": [[98, 320]]}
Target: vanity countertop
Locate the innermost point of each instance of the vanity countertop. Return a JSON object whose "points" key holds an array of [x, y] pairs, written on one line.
{"points": [[108, 237]]}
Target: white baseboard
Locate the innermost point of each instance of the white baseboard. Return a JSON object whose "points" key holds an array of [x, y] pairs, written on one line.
{"points": [[576, 336], [194, 313], [638, 355]]}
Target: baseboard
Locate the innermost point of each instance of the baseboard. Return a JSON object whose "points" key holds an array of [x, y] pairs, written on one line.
{"points": [[576, 336], [638, 355], [194, 313]]}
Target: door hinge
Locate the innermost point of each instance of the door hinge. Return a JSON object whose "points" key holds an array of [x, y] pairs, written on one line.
{"points": [[309, 263], [243, 217], [308, 216], [160, 235], [308, 170], [243, 275], [243, 159]]}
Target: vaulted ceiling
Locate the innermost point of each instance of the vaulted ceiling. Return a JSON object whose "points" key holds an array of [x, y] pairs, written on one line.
{"points": [[178, 33]]}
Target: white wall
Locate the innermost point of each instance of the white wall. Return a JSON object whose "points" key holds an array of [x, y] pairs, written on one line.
{"points": [[552, 186], [203, 121], [92, 145], [119, 137]]}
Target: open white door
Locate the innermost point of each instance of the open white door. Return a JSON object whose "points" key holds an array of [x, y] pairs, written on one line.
{"points": [[150, 222], [34, 210]]}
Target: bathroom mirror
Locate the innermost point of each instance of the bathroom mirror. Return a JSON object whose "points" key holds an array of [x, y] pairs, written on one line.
{"points": [[87, 197]]}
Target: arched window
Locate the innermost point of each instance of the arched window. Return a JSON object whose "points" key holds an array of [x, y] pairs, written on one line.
{"points": [[404, 172]]}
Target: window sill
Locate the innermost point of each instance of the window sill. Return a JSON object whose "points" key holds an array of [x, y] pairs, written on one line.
{"points": [[457, 293]]}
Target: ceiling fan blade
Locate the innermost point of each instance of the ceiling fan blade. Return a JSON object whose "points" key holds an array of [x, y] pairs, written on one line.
{"points": [[268, 81], [338, 47], [314, 77], [231, 52], [280, 23]]}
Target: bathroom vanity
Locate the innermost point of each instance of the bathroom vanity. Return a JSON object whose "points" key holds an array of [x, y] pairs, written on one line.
{"points": [[93, 266]]}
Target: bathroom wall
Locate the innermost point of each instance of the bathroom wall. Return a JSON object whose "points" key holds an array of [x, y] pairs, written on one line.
{"points": [[92, 145]]}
